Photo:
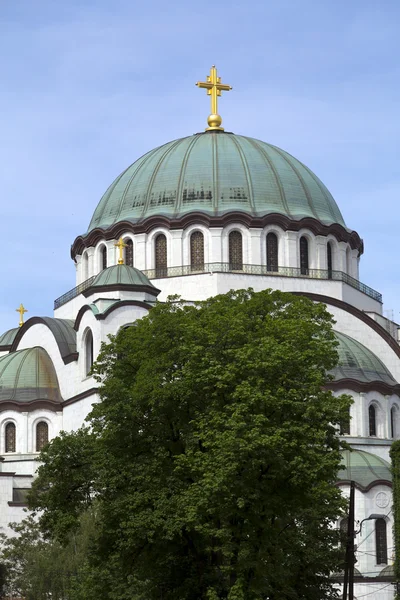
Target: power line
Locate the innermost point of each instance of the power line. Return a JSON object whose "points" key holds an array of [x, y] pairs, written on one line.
{"points": [[374, 592]]}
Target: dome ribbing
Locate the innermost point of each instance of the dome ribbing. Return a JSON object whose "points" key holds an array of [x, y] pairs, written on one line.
{"points": [[216, 173]]}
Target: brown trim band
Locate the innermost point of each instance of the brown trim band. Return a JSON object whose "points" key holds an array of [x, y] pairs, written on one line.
{"points": [[116, 230], [356, 312], [67, 358], [40, 403], [80, 396], [358, 386], [121, 287], [366, 488], [110, 309]]}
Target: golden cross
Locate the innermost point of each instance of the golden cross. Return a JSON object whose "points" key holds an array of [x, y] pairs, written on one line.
{"points": [[214, 89], [21, 310], [121, 245]]}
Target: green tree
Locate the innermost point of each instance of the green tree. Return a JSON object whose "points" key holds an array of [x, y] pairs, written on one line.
{"points": [[395, 456], [213, 454]]}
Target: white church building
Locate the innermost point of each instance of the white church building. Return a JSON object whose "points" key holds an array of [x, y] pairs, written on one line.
{"points": [[197, 217]]}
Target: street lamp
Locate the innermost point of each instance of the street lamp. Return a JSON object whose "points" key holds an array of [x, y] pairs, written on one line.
{"points": [[372, 517]]}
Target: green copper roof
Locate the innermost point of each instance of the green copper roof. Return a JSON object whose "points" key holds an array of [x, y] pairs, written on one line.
{"points": [[363, 468], [216, 173], [8, 337], [359, 363], [28, 375], [121, 275]]}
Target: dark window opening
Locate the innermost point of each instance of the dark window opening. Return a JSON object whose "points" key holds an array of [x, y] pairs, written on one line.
{"points": [[372, 420], [345, 425], [10, 434], [329, 260], [304, 256], [103, 252], [161, 255], [88, 352], [197, 251], [381, 542], [129, 252], [272, 252], [42, 435], [235, 251]]}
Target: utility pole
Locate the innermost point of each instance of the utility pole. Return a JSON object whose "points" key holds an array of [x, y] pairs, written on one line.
{"points": [[349, 559]]}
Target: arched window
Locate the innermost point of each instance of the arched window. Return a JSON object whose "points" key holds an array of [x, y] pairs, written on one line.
{"points": [[393, 415], [329, 259], [88, 352], [345, 425], [303, 255], [381, 542], [85, 266], [348, 261], [161, 255], [103, 258], [344, 529], [10, 435], [129, 252], [235, 251], [197, 251], [372, 420], [42, 435], [272, 252]]}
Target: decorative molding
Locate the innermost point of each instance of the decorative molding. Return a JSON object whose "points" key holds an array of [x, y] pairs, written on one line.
{"points": [[110, 309], [358, 386], [366, 488], [80, 396], [356, 312], [117, 230], [39, 403], [67, 358], [121, 287]]}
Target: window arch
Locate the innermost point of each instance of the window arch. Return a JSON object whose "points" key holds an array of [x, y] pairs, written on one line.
{"points": [[348, 261], [129, 252], [160, 251], [393, 420], [304, 256], [381, 542], [85, 266], [345, 425], [103, 258], [42, 435], [372, 420], [235, 251], [197, 251], [329, 261], [10, 437], [272, 252], [88, 351]]}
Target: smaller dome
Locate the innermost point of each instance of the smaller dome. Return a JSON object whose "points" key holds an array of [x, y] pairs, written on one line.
{"points": [[359, 363], [121, 275], [364, 468], [28, 375], [7, 338]]}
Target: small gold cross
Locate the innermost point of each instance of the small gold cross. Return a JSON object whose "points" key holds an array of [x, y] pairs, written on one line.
{"points": [[21, 310], [214, 89], [121, 245]]}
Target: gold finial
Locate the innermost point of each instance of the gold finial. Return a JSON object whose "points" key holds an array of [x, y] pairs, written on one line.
{"points": [[21, 310], [121, 245], [214, 89]]}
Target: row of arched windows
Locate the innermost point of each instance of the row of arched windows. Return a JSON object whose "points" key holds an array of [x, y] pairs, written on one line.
{"points": [[10, 432], [381, 546], [235, 242], [345, 428]]}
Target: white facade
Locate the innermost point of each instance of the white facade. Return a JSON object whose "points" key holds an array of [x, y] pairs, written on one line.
{"points": [[96, 314]]}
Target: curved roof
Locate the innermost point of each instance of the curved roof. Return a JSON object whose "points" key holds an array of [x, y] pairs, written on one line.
{"points": [[7, 338], [121, 275], [28, 375], [62, 330], [363, 468], [359, 363], [216, 173]]}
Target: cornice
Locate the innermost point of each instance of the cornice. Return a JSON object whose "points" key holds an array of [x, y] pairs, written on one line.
{"points": [[365, 488], [198, 218], [110, 309], [122, 287], [40, 403], [356, 312], [80, 396], [358, 386]]}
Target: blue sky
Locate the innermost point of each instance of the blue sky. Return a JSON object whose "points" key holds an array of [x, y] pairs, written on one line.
{"points": [[89, 86]]}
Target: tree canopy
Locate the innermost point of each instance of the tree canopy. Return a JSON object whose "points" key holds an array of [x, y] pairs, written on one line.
{"points": [[211, 457]]}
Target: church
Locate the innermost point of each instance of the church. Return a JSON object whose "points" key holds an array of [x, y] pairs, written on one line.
{"points": [[197, 217]]}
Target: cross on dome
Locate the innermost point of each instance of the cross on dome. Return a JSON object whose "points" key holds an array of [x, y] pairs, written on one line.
{"points": [[214, 89], [21, 310], [121, 245]]}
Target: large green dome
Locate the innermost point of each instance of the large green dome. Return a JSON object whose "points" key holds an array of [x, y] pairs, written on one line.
{"points": [[216, 173]]}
